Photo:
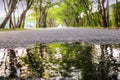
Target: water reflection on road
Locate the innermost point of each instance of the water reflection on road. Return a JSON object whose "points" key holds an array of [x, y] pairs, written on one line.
{"points": [[68, 61]]}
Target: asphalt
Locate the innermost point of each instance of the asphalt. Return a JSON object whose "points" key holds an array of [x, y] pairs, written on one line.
{"points": [[25, 38]]}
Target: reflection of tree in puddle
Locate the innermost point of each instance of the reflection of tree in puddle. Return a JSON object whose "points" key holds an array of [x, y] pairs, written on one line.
{"points": [[108, 63], [75, 60]]}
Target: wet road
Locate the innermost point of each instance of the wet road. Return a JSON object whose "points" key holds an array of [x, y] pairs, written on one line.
{"points": [[25, 38]]}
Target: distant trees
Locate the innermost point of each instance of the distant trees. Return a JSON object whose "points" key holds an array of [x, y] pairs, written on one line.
{"points": [[117, 15], [79, 13], [41, 11], [70, 13], [85, 13], [76, 12], [86, 7]]}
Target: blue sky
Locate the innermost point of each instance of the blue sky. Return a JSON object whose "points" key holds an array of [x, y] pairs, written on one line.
{"points": [[2, 13]]}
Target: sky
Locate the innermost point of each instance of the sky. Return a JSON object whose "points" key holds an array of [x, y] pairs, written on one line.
{"points": [[2, 12]]}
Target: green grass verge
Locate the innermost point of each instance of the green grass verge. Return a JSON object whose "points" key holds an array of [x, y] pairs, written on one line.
{"points": [[15, 29]]}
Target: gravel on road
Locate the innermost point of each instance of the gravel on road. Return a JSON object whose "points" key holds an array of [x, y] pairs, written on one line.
{"points": [[25, 38]]}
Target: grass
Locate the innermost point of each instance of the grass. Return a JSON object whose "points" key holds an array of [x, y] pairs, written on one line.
{"points": [[87, 27], [99, 27], [15, 29]]}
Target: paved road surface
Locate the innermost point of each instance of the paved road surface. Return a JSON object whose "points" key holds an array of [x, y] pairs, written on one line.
{"points": [[11, 39]]}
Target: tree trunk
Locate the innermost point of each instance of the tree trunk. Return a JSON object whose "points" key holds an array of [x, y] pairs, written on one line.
{"points": [[104, 17], [37, 17], [103, 13], [108, 22], [22, 19], [11, 24], [42, 18], [117, 14]]}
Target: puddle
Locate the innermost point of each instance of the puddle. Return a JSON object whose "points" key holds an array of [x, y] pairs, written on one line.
{"points": [[61, 61]]}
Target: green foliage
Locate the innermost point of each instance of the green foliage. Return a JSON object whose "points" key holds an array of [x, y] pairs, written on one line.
{"points": [[116, 15], [31, 17], [66, 13], [55, 13]]}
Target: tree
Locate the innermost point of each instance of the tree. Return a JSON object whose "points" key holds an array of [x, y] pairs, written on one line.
{"points": [[55, 15], [71, 12], [43, 12], [114, 17], [117, 15], [79, 13], [12, 5], [21, 20], [103, 12], [41, 9], [6, 7]]}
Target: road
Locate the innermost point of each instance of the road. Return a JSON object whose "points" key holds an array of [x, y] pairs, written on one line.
{"points": [[25, 38]]}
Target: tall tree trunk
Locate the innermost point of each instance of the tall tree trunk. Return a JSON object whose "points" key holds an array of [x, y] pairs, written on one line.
{"points": [[10, 23], [14, 20], [117, 15], [100, 12], [77, 21], [37, 17], [42, 18], [104, 17], [108, 22], [11, 9], [40, 9]]}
